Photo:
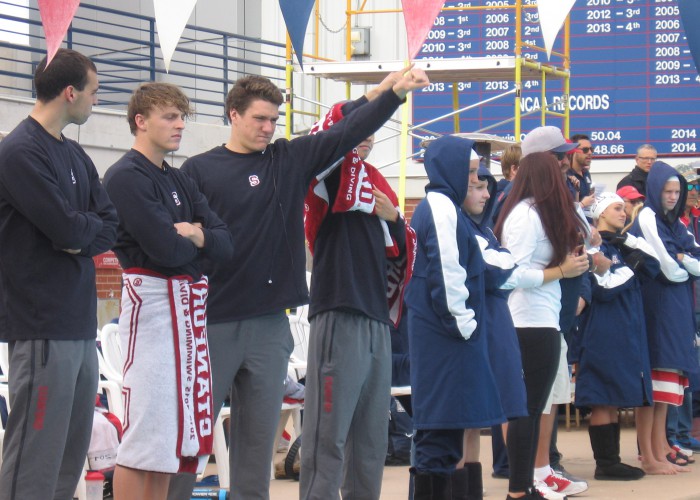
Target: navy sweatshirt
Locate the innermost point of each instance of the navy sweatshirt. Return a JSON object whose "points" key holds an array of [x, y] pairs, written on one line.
{"points": [[150, 200], [349, 271], [261, 198], [51, 199]]}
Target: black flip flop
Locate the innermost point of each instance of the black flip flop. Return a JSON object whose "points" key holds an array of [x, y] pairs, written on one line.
{"points": [[679, 459]]}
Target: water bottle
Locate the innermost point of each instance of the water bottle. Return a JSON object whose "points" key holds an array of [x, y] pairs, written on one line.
{"points": [[209, 494], [94, 485]]}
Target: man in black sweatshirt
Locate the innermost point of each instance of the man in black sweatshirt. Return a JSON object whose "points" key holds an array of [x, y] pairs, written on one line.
{"points": [[637, 178], [165, 229], [258, 188], [54, 217]]}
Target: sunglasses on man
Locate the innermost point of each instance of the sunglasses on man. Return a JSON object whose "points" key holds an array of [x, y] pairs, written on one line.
{"points": [[694, 186]]}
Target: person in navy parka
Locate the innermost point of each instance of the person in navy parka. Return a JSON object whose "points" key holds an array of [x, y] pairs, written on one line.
{"points": [[501, 276], [452, 383], [614, 324], [668, 300]]}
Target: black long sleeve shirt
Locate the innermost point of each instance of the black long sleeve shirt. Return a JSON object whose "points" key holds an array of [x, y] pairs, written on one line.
{"points": [[149, 201], [261, 198], [51, 200]]}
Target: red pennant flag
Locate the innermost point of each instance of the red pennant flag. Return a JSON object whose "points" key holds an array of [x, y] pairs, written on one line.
{"points": [[419, 16], [56, 16]]}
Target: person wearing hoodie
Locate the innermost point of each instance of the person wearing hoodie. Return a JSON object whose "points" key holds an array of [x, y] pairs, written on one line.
{"points": [[606, 381], [668, 305], [501, 276], [679, 420], [453, 387]]}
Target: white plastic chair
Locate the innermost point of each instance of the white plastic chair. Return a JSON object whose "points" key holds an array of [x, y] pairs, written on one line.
{"points": [[4, 362], [221, 449], [4, 392], [110, 366], [299, 326], [402, 390], [4, 388], [287, 410], [113, 390], [111, 360]]}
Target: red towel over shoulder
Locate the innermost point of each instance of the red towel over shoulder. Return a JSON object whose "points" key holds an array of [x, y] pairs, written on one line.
{"points": [[357, 179]]}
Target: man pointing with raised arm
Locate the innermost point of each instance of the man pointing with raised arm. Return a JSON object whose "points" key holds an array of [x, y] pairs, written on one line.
{"points": [[258, 187]]}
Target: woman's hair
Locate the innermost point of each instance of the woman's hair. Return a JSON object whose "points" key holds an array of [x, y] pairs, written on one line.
{"points": [[635, 212], [540, 178]]}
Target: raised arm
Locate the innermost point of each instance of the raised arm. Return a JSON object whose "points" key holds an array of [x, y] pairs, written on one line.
{"points": [[320, 151]]}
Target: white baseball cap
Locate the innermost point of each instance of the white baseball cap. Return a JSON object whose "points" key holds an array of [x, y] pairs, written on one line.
{"points": [[547, 138], [604, 201]]}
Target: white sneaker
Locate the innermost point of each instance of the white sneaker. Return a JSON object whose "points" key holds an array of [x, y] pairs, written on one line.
{"points": [[547, 492], [556, 482], [678, 448]]}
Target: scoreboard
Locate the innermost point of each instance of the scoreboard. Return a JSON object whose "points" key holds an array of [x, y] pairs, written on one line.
{"points": [[633, 80]]}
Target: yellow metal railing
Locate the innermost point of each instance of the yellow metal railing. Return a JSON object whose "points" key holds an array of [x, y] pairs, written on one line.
{"points": [[561, 71], [521, 61]]}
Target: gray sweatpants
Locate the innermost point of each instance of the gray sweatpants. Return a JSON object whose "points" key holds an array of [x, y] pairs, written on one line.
{"points": [[52, 385], [249, 358], [348, 383]]}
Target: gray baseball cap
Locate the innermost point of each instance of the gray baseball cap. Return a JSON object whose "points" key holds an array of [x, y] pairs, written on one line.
{"points": [[544, 139]]}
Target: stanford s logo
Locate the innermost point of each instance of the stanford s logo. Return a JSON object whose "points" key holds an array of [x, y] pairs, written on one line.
{"points": [[254, 180], [176, 198]]}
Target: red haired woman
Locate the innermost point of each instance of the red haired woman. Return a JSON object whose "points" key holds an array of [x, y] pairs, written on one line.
{"points": [[539, 227]]}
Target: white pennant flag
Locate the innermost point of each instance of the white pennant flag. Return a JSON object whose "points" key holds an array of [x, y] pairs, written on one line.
{"points": [[171, 18], [552, 16]]}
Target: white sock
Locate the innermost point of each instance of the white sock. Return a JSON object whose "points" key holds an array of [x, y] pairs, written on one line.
{"points": [[541, 473]]}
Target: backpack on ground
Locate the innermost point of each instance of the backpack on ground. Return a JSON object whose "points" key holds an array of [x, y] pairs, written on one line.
{"points": [[400, 435]]}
